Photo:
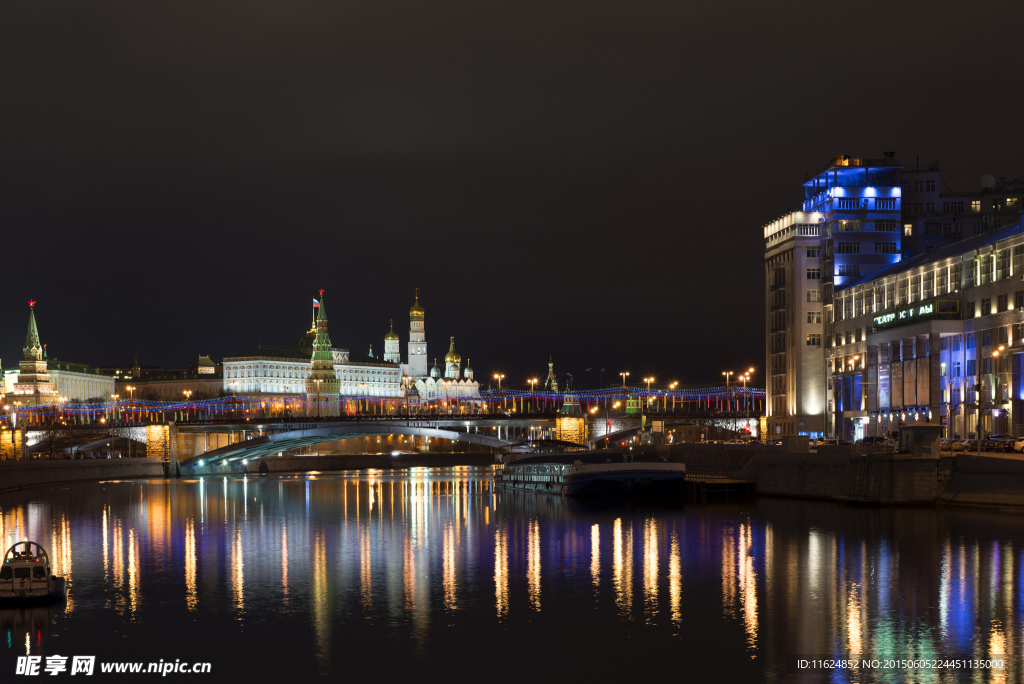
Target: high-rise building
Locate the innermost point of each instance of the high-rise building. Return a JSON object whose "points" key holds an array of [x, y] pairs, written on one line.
{"points": [[859, 217]]}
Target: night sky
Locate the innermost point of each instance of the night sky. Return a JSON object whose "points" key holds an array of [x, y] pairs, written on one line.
{"points": [[587, 180]]}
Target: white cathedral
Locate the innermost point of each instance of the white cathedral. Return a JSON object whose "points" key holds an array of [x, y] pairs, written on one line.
{"points": [[455, 383]]}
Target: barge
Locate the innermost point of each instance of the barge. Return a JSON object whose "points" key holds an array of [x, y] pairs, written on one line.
{"points": [[593, 473]]}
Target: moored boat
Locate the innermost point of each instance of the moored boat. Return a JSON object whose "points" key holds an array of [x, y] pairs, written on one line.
{"points": [[597, 472], [27, 578]]}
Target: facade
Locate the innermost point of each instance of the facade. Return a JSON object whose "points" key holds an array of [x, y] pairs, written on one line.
{"points": [[859, 218], [289, 371], [937, 338]]}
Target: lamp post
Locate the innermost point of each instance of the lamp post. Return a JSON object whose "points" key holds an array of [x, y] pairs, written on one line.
{"points": [[362, 397], [498, 377], [317, 381], [188, 395], [624, 374], [533, 383]]}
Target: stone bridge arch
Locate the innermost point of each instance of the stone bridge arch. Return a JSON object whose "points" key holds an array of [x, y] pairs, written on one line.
{"points": [[272, 444]]}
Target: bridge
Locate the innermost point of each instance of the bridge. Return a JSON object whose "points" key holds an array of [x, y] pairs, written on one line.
{"points": [[228, 430], [253, 441]]}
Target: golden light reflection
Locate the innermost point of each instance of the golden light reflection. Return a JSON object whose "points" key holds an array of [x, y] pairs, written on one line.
{"points": [[854, 624], [748, 583], [651, 562], [595, 554], [622, 566], [320, 609], [365, 568], [501, 572], [533, 563], [191, 599], [134, 591], [60, 556], [997, 650], [448, 566], [675, 581], [238, 573], [117, 552], [728, 572]]}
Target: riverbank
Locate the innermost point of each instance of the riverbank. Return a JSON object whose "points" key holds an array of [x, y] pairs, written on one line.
{"points": [[15, 475]]}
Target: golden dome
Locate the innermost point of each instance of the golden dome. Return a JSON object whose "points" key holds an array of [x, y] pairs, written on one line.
{"points": [[416, 309], [452, 356], [392, 335]]}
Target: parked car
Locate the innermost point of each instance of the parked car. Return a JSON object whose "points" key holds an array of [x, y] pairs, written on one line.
{"points": [[1018, 444]]}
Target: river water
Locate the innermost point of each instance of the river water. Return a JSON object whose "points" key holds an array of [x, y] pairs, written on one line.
{"points": [[431, 573]]}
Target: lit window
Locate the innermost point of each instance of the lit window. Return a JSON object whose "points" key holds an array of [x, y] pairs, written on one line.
{"points": [[907, 227]]}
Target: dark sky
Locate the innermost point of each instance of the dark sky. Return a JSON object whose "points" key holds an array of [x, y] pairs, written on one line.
{"points": [[582, 179]]}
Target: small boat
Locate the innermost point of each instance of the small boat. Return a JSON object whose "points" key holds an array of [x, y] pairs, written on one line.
{"points": [[595, 472], [26, 577]]}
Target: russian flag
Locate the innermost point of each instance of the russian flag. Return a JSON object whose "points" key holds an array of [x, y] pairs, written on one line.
{"points": [[315, 303]]}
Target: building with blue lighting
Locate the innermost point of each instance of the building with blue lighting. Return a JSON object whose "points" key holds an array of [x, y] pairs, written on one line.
{"points": [[872, 243]]}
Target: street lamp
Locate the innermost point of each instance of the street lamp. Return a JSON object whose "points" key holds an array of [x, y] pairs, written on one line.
{"points": [[727, 374], [131, 402], [624, 375], [188, 395], [499, 377]]}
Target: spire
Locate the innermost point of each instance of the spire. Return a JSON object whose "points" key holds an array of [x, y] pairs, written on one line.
{"points": [[32, 349], [322, 309], [391, 335]]}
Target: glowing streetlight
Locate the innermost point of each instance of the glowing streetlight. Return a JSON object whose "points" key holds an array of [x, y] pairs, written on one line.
{"points": [[499, 377], [727, 374], [649, 381], [624, 374], [188, 395]]}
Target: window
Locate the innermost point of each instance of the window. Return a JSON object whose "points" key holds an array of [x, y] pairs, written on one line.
{"points": [[814, 295], [986, 338], [929, 208], [814, 252], [975, 206], [972, 340], [814, 274], [930, 185], [850, 247], [954, 369], [847, 225], [1012, 202], [919, 186], [814, 340], [814, 317], [1002, 302], [848, 270], [1003, 335], [886, 248], [908, 229], [888, 226], [972, 367], [955, 344], [986, 364], [942, 369], [919, 208], [986, 306], [858, 335], [971, 312], [1002, 264]]}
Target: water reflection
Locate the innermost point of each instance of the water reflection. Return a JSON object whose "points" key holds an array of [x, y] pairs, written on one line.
{"points": [[330, 564]]}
